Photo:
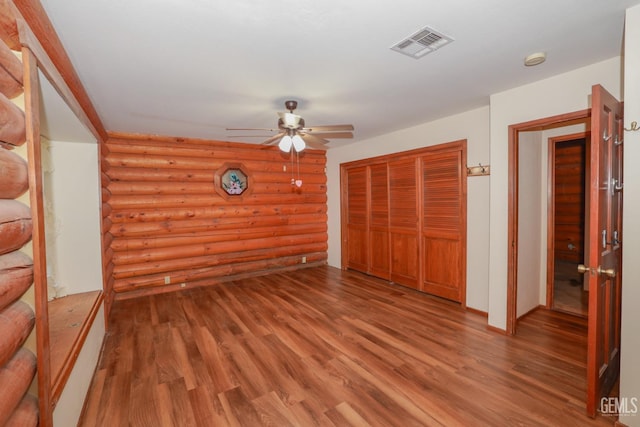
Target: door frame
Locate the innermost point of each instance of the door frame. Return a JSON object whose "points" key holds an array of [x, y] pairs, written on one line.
{"points": [[551, 205], [512, 262]]}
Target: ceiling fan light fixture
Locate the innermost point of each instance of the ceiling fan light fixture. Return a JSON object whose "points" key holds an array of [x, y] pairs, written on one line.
{"points": [[285, 143], [298, 143], [290, 120]]}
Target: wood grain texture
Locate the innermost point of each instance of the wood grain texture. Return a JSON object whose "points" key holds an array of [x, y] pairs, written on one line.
{"points": [[16, 276], [15, 378], [325, 347], [25, 414], [16, 323], [14, 179], [11, 73], [12, 131], [164, 217], [15, 225]]}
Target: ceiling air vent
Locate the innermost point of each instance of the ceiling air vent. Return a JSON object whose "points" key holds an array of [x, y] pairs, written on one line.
{"points": [[423, 41]]}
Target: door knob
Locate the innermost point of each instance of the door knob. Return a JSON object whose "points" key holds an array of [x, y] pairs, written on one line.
{"points": [[611, 272], [583, 269]]}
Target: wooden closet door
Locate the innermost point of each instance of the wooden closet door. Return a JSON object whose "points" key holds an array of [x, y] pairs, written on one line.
{"points": [[357, 244], [403, 222], [444, 224], [379, 255]]}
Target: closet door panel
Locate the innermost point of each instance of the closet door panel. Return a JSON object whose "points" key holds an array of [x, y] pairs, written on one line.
{"points": [[444, 224], [379, 252], [356, 230], [403, 222]]}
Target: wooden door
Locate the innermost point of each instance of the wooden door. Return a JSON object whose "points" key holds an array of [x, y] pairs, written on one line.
{"points": [[603, 246], [444, 224], [379, 255], [403, 222], [356, 238]]}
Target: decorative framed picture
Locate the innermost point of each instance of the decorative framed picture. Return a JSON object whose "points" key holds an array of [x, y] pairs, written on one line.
{"points": [[232, 181]]}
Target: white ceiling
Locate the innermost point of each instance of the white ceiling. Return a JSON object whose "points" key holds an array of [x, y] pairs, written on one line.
{"points": [[192, 68]]}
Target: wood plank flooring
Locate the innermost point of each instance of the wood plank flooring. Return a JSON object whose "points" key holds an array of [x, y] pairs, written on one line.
{"points": [[323, 347]]}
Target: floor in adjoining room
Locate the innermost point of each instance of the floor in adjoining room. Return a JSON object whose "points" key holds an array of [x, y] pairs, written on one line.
{"points": [[568, 292], [325, 347]]}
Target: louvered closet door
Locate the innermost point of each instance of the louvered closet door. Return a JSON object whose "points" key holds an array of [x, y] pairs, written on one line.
{"points": [[357, 243], [379, 255], [444, 225], [403, 222]]}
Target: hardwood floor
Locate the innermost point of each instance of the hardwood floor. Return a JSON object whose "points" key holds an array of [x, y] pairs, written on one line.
{"points": [[325, 347]]}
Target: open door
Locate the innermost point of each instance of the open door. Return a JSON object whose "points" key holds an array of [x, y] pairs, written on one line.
{"points": [[603, 246]]}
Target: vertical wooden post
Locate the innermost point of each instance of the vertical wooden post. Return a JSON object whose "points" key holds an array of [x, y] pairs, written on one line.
{"points": [[34, 157]]}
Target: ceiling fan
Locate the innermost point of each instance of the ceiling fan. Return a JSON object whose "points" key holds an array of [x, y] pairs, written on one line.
{"points": [[294, 135]]}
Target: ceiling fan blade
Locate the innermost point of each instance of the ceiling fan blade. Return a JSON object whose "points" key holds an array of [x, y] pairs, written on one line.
{"points": [[273, 139], [313, 141], [268, 129], [249, 136], [331, 135], [329, 128]]}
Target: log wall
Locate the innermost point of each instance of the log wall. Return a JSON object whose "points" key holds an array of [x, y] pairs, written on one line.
{"points": [[17, 318], [167, 227]]}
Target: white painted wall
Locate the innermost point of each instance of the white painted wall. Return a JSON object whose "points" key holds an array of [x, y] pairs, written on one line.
{"points": [[471, 125], [630, 350], [557, 95], [69, 407], [529, 222], [72, 211]]}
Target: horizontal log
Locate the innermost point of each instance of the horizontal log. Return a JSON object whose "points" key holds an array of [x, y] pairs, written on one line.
{"points": [[152, 215], [16, 276], [148, 229], [107, 240], [198, 249], [106, 195], [106, 210], [106, 225], [26, 414], [12, 123], [104, 179], [15, 378], [211, 273], [121, 202], [141, 269], [8, 27], [16, 323], [205, 188], [278, 173], [205, 162], [214, 150], [177, 240], [14, 178], [15, 225], [11, 72]]}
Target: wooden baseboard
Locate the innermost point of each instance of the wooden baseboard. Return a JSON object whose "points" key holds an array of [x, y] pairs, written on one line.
{"points": [[478, 312]]}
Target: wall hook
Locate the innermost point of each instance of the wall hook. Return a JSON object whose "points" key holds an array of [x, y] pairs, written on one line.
{"points": [[479, 170], [634, 127]]}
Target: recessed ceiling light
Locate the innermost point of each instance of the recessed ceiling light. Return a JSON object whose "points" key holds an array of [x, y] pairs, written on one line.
{"points": [[535, 59]]}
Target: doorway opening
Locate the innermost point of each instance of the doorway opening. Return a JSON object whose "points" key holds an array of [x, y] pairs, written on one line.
{"points": [[528, 266], [566, 288]]}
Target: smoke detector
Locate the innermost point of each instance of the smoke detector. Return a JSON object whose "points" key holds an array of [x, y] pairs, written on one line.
{"points": [[422, 42], [535, 59]]}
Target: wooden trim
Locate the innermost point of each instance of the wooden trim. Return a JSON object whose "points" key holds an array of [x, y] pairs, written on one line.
{"points": [[49, 42], [512, 242], [478, 312], [551, 180], [34, 157], [551, 214], [446, 146], [64, 314]]}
